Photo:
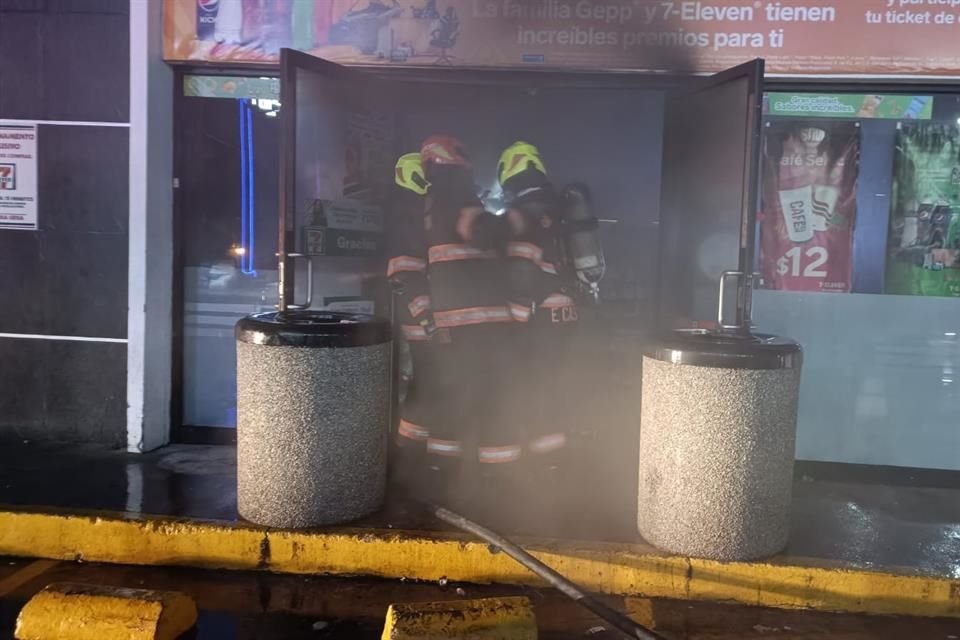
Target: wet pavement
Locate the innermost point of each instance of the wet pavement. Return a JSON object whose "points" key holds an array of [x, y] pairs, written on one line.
{"points": [[871, 517], [263, 606]]}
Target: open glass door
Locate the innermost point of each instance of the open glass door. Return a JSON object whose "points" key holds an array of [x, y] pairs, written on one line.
{"points": [[226, 152], [710, 182], [337, 148]]}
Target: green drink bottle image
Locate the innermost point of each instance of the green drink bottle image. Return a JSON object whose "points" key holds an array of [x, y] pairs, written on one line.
{"points": [[302, 23]]}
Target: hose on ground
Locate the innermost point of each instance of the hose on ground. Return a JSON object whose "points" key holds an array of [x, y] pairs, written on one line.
{"points": [[616, 619]]}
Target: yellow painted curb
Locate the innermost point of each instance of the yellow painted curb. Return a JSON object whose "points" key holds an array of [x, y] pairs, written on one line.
{"points": [[490, 618], [69, 611], [617, 569]]}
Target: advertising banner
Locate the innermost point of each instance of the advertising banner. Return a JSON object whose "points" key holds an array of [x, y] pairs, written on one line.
{"points": [[852, 105], [796, 37], [218, 86], [18, 176], [924, 239], [809, 205]]}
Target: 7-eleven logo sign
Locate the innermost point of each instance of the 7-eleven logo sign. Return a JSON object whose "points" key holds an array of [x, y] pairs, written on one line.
{"points": [[8, 177]]}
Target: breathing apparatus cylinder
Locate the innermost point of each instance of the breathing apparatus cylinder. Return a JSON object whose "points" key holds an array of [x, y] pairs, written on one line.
{"points": [[580, 232]]}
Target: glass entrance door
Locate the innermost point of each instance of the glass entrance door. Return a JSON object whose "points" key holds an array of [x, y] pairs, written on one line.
{"points": [[711, 169], [338, 148], [226, 167]]}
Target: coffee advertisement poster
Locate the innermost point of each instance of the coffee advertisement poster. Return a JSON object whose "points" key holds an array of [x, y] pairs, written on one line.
{"points": [[809, 206]]}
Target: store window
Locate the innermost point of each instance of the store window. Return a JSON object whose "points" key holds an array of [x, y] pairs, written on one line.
{"points": [[859, 251]]}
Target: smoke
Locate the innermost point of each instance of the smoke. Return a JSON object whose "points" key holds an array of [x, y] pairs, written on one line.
{"points": [[583, 379]]}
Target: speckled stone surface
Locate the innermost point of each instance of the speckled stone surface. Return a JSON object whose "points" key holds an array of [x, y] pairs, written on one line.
{"points": [[716, 459], [312, 428]]}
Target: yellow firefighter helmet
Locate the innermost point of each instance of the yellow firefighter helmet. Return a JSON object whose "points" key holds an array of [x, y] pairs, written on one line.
{"points": [[517, 158], [409, 174]]}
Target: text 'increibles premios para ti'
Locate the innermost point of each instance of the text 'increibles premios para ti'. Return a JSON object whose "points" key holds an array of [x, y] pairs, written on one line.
{"points": [[658, 24]]}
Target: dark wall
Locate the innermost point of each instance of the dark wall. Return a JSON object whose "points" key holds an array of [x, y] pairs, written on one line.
{"points": [[67, 60]]}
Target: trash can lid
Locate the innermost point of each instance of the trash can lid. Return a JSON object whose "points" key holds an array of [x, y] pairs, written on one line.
{"points": [[701, 348], [314, 329]]}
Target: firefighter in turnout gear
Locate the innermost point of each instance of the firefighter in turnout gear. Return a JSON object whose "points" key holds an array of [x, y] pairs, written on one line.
{"points": [[465, 256], [407, 273], [540, 297]]}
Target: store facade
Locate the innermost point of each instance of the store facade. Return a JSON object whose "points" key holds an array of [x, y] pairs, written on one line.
{"points": [[854, 234]]}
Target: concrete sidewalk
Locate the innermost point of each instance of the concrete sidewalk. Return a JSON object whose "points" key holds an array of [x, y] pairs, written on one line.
{"points": [[859, 545], [607, 568]]}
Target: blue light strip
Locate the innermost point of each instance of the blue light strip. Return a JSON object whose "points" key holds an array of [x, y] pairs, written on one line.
{"points": [[247, 193], [251, 201], [243, 182]]}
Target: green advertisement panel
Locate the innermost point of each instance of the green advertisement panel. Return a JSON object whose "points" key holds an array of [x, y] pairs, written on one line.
{"points": [[849, 105], [924, 239], [261, 88]]}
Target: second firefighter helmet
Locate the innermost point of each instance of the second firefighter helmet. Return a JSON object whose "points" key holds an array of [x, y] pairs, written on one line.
{"points": [[409, 174], [517, 158], [444, 150]]}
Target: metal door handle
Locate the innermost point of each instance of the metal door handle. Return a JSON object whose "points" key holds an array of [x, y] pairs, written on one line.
{"points": [[309, 300], [748, 311]]}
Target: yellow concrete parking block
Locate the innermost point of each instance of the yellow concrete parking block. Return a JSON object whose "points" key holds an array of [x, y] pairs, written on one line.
{"points": [[486, 619], [609, 568], [70, 611]]}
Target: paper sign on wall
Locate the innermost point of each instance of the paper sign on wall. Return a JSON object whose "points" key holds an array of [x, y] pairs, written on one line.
{"points": [[18, 176]]}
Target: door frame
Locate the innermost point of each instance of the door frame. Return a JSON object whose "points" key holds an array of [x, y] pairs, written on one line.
{"points": [[181, 433]]}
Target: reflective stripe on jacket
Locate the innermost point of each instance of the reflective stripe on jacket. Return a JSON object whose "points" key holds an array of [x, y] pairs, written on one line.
{"points": [[406, 264], [499, 455], [472, 315], [520, 312], [417, 333], [533, 253], [452, 252], [418, 305], [444, 447], [548, 443], [413, 431]]}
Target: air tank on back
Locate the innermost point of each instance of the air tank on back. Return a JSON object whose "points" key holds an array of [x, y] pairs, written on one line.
{"points": [[583, 251]]}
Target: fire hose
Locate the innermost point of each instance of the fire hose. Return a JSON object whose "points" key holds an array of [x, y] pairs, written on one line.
{"points": [[618, 620]]}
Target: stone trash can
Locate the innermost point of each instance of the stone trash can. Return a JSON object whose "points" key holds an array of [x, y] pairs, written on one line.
{"points": [[717, 435], [313, 406]]}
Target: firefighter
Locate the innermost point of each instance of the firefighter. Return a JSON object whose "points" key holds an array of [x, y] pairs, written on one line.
{"points": [[541, 299], [465, 254], [407, 273]]}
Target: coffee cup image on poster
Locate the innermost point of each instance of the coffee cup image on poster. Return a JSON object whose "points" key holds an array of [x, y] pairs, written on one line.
{"points": [[344, 30], [923, 249], [809, 206]]}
